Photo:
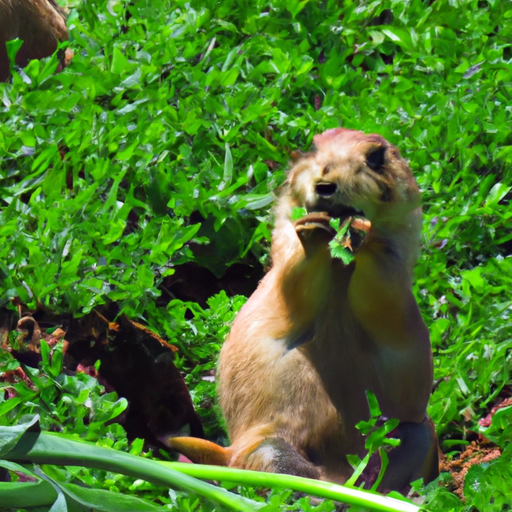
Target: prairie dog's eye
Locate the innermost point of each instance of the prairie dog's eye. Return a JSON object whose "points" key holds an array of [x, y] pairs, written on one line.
{"points": [[375, 159]]}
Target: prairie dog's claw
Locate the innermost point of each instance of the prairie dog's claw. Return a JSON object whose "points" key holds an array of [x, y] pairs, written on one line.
{"points": [[314, 231], [315, 220], [361, 224]]}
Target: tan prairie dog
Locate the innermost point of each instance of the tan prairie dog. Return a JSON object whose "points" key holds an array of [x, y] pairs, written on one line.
{"points": [[317, 333], [40, 24]]}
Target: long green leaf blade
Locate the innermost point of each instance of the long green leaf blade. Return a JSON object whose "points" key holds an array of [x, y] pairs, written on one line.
{"points": [[328, 490], [26, 494], [50, 448]]}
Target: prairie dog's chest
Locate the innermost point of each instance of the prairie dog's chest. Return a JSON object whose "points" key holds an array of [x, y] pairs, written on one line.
{"points": [[350, 362], [340, 351]]}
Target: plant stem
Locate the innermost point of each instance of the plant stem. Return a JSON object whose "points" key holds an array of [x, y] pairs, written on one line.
{"points": [[316, 487], [50, 448]]}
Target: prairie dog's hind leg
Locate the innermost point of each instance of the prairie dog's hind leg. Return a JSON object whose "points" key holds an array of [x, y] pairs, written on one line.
{"points": [[416, 457], [275, 455]]}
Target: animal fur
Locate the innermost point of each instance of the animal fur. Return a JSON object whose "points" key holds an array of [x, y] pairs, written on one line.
{"points": [[40, 24]]}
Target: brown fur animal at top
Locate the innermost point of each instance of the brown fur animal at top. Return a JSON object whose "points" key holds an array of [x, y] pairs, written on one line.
{"points": [[40, 24], [317, 334]]}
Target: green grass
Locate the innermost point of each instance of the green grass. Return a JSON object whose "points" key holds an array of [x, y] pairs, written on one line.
{"points": [[164, 141]]}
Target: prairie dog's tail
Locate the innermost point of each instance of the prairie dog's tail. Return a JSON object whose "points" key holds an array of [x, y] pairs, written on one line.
{"points": [[201, 451]]}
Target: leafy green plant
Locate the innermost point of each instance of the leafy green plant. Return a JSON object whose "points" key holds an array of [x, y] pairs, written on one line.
{"points": [[166, 138], [377, 441], [22, 443]]}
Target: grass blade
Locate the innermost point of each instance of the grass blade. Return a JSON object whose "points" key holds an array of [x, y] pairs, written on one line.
{"points": [[50, 448], [319, 488]]}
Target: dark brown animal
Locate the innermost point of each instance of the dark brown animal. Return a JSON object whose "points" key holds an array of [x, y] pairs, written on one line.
{"points": [[40, 24], [317, 333]]}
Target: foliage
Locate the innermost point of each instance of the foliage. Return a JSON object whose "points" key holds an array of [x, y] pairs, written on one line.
{"points": [[377, 440], [24, 442], [164, 142]]}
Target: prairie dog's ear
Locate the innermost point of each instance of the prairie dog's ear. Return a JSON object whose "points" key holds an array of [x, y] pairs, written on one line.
{"points": [[322, 139], [297, 155]]}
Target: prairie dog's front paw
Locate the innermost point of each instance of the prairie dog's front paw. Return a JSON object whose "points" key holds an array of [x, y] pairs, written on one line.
{"points": [[314, 230], [315, 220], [361, 224]]}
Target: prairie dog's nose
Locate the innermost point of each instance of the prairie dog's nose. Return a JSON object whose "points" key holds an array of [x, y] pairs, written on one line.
{"points": [[326, 189]]}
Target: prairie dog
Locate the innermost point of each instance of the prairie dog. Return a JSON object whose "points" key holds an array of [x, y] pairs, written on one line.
{"points": [[40, 24], [317, 333]]}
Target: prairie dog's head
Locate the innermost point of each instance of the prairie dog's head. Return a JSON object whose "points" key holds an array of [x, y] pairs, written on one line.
{"points": [[353, 173]]}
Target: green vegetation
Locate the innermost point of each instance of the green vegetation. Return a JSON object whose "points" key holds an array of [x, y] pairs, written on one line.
{"points": [[163, 143], [23, 443]]}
